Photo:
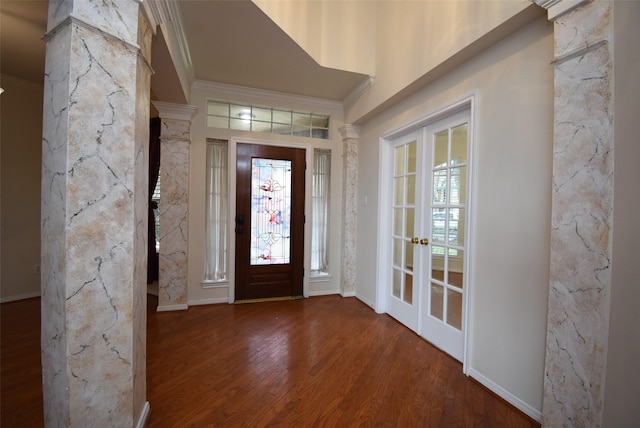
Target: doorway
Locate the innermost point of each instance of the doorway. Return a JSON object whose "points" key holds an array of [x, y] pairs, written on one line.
{"points": [[269, 221], [425, 213]]}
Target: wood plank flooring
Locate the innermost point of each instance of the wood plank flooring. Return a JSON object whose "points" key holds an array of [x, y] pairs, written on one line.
{"points": [[326, 362]]}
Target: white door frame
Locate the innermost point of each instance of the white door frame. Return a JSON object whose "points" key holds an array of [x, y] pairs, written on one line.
{"points": [[383, 274]]}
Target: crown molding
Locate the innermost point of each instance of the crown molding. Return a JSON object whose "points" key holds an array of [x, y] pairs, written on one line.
{"points": [[557, 8], [232, 90], [175, 111], [355, 94], [167, 12]]}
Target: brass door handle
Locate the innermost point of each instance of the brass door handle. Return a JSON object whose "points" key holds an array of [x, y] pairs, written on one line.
{"points": [[424, 241], [415, 240]]}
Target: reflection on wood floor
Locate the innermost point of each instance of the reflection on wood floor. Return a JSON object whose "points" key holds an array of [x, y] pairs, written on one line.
{"points": [[325, 361]]}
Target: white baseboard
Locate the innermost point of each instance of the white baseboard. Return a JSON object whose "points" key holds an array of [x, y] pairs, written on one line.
{"points": [[506, 395], [144, 415], [322, 293], [348, 293], [211, 301], [20, 297], [365, 301], [166, 308]]}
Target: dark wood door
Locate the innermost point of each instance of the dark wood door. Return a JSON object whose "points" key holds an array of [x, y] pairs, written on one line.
{"points": [[270, 183]]}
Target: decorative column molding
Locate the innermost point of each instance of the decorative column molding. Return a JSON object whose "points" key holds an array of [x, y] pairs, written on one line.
{"points": [[94, 214], [557, 8], [582, 215], [175, 139], [350, 138]]}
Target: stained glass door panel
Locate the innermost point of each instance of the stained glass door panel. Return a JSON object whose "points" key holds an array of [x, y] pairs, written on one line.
{"points": [[270, 211]]}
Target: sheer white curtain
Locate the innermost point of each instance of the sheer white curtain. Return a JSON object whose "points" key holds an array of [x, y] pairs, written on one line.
{"points": [[216, 211], [320, 212]]}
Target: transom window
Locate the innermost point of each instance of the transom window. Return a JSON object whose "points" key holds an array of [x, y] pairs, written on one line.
{"points": [[267, 119]]}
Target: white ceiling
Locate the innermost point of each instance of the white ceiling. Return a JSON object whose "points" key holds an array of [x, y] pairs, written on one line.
{"points": [[231, 42]]}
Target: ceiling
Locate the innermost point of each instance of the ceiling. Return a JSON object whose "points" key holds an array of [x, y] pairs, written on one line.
{"points": [[230, 42]]}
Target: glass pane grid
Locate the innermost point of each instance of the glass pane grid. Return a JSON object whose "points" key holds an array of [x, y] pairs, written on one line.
{"points": [[447, 225], [267, 120]]}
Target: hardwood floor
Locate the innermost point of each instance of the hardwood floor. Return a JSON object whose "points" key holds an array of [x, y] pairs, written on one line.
{"points": [[325, 361]]}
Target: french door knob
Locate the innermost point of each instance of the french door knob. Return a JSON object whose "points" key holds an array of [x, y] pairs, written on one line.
{"points": [[415, 240], [424, 241]]}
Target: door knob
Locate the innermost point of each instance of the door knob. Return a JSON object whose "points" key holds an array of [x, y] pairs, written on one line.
{"points": [[415, 240], [424, 241]]}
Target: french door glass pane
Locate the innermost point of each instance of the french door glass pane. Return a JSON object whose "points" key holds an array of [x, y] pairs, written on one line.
{"points": [[270, 211], [437, 297], [457, 187], [441, 149], [397, 283], [454, 309], [399, 160], [411, 190], [438, 223], [397, 221], [440, 187], [409, 223], [455, 269], [456, 226], [459, 144], [409, 255], [397, 252], [398, 198], [408, 288], [411, 157]]}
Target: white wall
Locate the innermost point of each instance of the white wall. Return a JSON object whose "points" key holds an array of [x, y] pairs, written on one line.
{"points": [[21, 118], [509, 276], [199, 294], [622, 380]]}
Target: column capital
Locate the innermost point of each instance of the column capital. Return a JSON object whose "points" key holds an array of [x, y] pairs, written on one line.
{"points": [[557, 8], [349, 131], [175, 111]]}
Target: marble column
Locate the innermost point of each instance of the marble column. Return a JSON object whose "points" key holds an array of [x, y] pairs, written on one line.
{"points": [[175, 139], [582, 215], [94, 213], [350, 139]]}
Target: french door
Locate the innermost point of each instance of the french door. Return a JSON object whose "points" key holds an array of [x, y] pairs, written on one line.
{"points": [[429, 212], [269, 221]]}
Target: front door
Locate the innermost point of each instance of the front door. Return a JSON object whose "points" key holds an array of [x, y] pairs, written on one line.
{"points": [[270, 183]]}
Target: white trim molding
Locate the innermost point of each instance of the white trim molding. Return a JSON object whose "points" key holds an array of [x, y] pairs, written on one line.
{"points": [[20, 297], [557, 8], [144, 415], [506, 395], [175, 111], [167, 308], [233, 91]]}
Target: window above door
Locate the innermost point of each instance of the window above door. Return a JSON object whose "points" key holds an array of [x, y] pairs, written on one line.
{"points": [[270, 120]]}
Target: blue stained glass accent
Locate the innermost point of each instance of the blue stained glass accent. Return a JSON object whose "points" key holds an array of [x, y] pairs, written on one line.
{"points": [[270, 211]]}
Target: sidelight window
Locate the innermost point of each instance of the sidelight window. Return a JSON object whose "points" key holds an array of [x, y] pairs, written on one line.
{"points": [[217, 208]]}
